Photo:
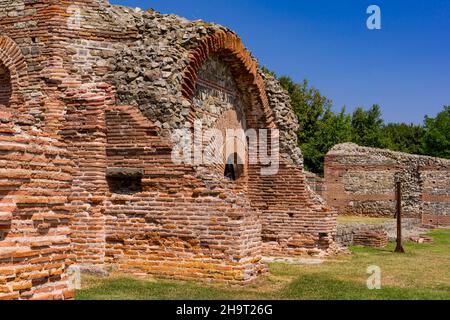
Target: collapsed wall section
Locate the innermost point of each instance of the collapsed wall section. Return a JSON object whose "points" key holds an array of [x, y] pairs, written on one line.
{"points": [[296, 220]]}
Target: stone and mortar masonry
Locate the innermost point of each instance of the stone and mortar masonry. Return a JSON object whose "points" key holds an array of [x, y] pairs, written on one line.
{"points": [[316, 183], [361, 181], [346, 232], [88, 106]]}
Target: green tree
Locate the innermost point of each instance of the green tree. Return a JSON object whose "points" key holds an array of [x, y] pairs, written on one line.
{"points": [[436, 140], [269, 72], [331, 129], [321, 128], [367, 127], [403, 137], [309, 105]]}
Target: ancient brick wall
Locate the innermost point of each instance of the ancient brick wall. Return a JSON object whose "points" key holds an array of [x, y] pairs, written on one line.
{"points": [[361, 181], [92, 95], [35, 243], [36, 176], [174, 225], [370, 238], [266, 106]]}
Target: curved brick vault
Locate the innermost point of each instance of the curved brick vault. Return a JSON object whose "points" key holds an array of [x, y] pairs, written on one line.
{"points": [[11, 57], [244, 68]]}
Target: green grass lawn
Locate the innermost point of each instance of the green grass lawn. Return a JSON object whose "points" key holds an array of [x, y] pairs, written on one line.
{"points": [[422, 273]]}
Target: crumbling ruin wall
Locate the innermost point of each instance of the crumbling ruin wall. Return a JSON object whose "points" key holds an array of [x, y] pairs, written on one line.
{"points": [[170, 220], [101, 90], [58, 87], [164, 90], [361, 181], [296, 220], [36, 176], [177, 223]]}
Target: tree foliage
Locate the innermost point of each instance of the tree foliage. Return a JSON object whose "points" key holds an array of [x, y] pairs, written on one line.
{"points": [[332, 128], [404, 137], [321, 128], [436, 139], [367, 127]]}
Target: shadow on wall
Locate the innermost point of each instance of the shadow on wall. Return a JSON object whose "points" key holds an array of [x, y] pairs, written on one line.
{"points": [[8, 207]]}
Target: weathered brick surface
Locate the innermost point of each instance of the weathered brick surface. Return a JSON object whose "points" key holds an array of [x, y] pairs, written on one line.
{"points": [[88, 107], [361, 181], [35, 179], [370, 238], [36, 169]]}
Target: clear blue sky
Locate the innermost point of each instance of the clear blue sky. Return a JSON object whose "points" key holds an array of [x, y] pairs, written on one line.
{"points": [[405, 67]]}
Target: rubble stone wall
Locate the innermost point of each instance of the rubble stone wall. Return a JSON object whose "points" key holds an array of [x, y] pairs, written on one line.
{"points": [[361, 181]]}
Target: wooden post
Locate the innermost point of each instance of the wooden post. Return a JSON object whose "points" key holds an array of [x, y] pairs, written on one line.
{"points": [[399, 248]]}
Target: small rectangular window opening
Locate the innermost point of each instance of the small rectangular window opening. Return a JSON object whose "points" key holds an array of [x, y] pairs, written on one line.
{"points": [[124, 180]]}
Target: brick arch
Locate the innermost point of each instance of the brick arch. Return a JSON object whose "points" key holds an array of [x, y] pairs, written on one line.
{"points": [[244, 68], [11, 57]]}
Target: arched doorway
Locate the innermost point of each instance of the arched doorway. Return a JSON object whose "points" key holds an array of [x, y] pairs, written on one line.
{"points": [[5, 85], [234, 167], [220, 105]]}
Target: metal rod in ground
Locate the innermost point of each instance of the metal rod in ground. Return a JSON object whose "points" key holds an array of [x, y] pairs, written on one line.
{"points": [[399, 248]]}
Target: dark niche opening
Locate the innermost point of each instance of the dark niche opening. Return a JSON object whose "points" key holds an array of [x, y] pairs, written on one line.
{"points": [[124, 180], [230, 174], [234, 167], [5, 85]]}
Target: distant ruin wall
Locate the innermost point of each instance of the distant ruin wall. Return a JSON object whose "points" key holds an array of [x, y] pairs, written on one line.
{"points": [[361, 181]]}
